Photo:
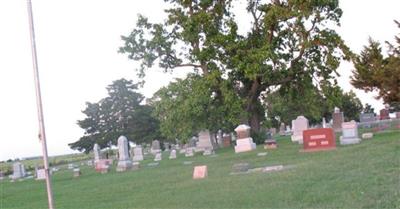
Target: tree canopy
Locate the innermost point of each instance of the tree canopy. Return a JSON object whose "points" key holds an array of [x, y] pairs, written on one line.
{"points": [[375, 72], [290, 42], [120, 113]]}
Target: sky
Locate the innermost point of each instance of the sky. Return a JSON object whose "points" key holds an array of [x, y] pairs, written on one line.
{"points": [[77, 43]]}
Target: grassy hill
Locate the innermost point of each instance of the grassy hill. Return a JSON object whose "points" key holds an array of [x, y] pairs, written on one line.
{"points": [[366, 175]]}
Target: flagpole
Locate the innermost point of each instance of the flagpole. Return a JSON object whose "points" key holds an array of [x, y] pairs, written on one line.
{"points": [[42, 133]]}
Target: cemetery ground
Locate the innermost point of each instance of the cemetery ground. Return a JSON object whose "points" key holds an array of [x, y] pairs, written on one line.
{"points": [[366, 175]]}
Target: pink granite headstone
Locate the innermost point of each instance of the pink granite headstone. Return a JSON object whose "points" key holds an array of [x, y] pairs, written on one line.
{"points": [[200, 172]]}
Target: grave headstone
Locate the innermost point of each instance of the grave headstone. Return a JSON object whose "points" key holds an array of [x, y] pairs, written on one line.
{"points": [[220, 138], [226, 140], [76, 172], [349, 133], [240, 167], [367, 135], [272, 131], [208, 151], [71, 166], [384, 114], [298, 126], [18, 171], [155, 147], [138, 153], [172, 154], [244, 142], [324, 123], [40, 174], [261, 154], [205, 140], [96, 152], [189, 152], [282, 129], [103, 165], [124, 162], [397, 115], [318, 139], [200, 172], [288, 131], [270, 144], [338, 119], [158, 157], [166, 146], [1, 176]]}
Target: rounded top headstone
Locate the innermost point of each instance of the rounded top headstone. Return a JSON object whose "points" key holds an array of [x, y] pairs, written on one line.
{"points": [[336, 110], [121, 139], [242, 127]]}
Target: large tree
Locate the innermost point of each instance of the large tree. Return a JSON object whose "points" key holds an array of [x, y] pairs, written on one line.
{"points": [[120, 113], [289, 42], [375, 72]]}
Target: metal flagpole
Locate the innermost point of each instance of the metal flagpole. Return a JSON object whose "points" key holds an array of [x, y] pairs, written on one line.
{"points": [[42, 134]]}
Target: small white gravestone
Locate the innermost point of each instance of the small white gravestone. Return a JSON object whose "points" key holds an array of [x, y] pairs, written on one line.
{"points": [[208, 151], [244, 142], [172, 155], [324, 123], [124, 162], [367, 135], [40, 174], [18, 171], [298, 126], [166, 146], [189, 152], [349, 133], [158, 157], [138, 153], [76, 172]]}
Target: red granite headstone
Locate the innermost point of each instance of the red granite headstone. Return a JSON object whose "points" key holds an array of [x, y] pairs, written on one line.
{"points": [[384, 114], [318, 139], [226, 140], [398, 115]]}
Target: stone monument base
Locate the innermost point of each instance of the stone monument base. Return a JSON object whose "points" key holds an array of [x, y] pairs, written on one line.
{"points": [[124, 165], [346, 141], [244, 145], [297, 138]]}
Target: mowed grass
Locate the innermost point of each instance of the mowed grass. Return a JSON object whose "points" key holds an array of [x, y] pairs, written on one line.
{"points": [[366, 175]]}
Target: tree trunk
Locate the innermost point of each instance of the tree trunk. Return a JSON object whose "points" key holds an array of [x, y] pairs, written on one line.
{"points": [[252, 102]]}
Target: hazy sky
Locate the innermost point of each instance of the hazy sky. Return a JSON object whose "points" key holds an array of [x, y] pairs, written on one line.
{"points": [[77, 43]]}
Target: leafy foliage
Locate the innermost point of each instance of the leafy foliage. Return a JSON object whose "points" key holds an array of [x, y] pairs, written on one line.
{"points": [[313, 103], [289, 43], [118, 114], [374, 72], [189, 105]]}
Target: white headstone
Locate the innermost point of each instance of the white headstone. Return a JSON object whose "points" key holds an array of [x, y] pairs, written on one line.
{"points": [[298, 126], [189, 152], [40, 174], [244, 142], [205, 140], [18, 170], [172, 155], [158, 157], [138, 153], [124, 162], [349, 133], [96, 151], [155, 147]]}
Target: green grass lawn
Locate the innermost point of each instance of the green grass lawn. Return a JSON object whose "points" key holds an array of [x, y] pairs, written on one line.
{"points": [[366, 175]]}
